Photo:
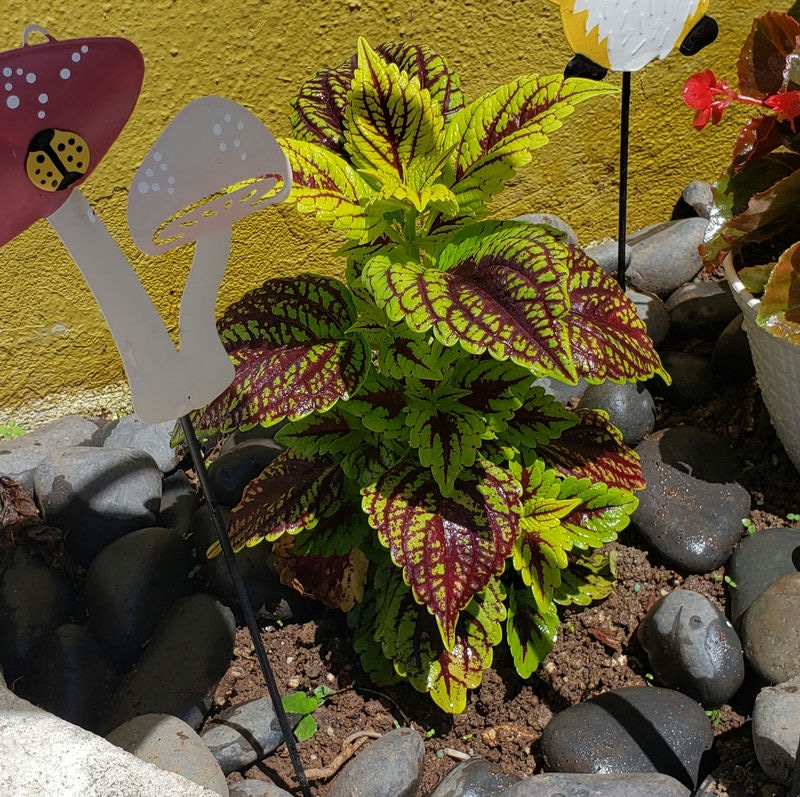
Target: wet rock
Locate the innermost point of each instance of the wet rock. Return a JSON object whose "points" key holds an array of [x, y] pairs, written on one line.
{"points": [[180, 667], [692, 647], [776, 729], [632, 729], [691, 511], [131, 584], [701, 309], [771, 630], [557, 784], [389, 767], [551, 221], [664, 256], [97, 494], [230, 473], [20, 457], [692, 379], [630, 407], [652, 311], [731, 359], [245, 734], [606, 255], [179, 501], [170, 744], [72, 677], [758, 561], [34, 599], [474, 778], [255, 788], [153, 438]]}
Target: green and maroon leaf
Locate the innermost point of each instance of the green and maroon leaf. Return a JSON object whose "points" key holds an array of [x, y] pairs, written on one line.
{"points": [[601, 514], [379, 405], [530, 631], [762, 60], [585, 581], [328, 187], [292, 352], [540, 420], [289, 495], [336, 534], [499, 288], [609, 340], [337, 580], [779, 311], [496, 133], [392, 126], [448, 547], [593, 449], [403, 353]]}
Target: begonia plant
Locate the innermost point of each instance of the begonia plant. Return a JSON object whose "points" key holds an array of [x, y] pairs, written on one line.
{"points": [[428, 487]]}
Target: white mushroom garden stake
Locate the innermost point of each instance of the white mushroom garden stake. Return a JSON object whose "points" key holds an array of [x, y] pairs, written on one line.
{"points": [[625, 36], [62, 105]]}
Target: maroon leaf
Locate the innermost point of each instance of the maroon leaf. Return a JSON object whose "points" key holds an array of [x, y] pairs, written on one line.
{"points": [[762, 60]]}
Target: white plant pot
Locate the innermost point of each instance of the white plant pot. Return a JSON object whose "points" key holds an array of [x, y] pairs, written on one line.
{"points": [[777, 365]]}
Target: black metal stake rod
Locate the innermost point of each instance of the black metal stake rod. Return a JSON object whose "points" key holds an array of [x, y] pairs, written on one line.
{"points": [[244, 600], [624, 136]]}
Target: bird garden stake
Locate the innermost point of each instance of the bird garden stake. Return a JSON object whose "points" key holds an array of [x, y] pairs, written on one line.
{"points": [[624, 37], [63, 104]]}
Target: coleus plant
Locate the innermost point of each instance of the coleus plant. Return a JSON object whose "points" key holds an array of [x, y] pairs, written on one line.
{"points": [[428, 486], [756, 212]]}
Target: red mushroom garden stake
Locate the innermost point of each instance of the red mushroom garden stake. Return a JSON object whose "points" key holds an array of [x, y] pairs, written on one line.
{"points": [[625, 36], [62, 105]]}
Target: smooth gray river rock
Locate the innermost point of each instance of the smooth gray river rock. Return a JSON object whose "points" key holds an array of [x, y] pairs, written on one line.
{"points": [[558, 784], [474, 778], [776, 729]]}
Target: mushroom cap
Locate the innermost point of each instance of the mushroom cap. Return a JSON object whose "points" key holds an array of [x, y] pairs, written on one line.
{"points": [[86, 87], [214, 164]]}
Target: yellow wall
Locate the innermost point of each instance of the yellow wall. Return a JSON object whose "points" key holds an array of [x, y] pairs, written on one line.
{"points": [[53, 341]]}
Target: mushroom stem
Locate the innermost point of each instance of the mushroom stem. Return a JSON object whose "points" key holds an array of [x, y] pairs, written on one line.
{"points": [[165, 383]]}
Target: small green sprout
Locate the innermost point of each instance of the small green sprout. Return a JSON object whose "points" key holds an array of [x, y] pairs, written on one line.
{"points": [[10, 429], [714, 716], [301, 703], [430, 733], [749, 525], [793, 517], [730, 582]]}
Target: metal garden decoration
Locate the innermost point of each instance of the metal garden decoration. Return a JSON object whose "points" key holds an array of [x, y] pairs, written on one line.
{"points": [[62, 105], [625, 37]]}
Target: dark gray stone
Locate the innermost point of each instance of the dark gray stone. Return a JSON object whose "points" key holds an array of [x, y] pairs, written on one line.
{"points": [[692, 379], [245, 734], [633, 729], [652, 311], [474, 778], [692, 647], [630, 407], [179, 501], [557, 784], [758, 561], [701, 309], [20, 457], [776, 729], [606, 255], [131, 584], [691, 511], [255, 788], [72, 677], [231, 472], [771, 630], [34, 599], [170, 744], [389, 767], [731, 359], [551, 221], [177, 672], [96, 495], [665, 256], [153, 438], [699, 196]]}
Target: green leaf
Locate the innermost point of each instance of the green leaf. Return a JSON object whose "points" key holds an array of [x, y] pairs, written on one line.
{"points": [[405, 354], [585, 581], [540, 420], [496, 133], [293, 354], [530, 631], [449, 548], [290, 494], [499, 288], [779, 311]]}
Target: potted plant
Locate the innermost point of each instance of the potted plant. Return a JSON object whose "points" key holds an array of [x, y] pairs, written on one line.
{"points": [[754, 230], [428, 487]]}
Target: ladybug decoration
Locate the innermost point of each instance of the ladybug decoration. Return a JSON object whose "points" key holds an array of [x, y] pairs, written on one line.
{"points": [[627, 35]]}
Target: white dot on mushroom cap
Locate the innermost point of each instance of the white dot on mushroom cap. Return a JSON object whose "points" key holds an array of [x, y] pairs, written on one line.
{"points": [[84, 48], [41, 114], [76, 57], [9, 86], [164, 167], [240, 125], [143, 187], [243, 156], [30, 77], [217, 129], [12, 101], [223, 146], [227, 117], [64, 74], [155, 187], [43, 98], [157, 157], [7, 72], [20, 71], [171, 180], [148, 172], [170, 190], [236, 142]]}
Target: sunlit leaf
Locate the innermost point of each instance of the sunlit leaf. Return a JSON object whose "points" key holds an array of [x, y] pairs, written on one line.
{"points": [[585, 581], [531, 632], [779, 311]]}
